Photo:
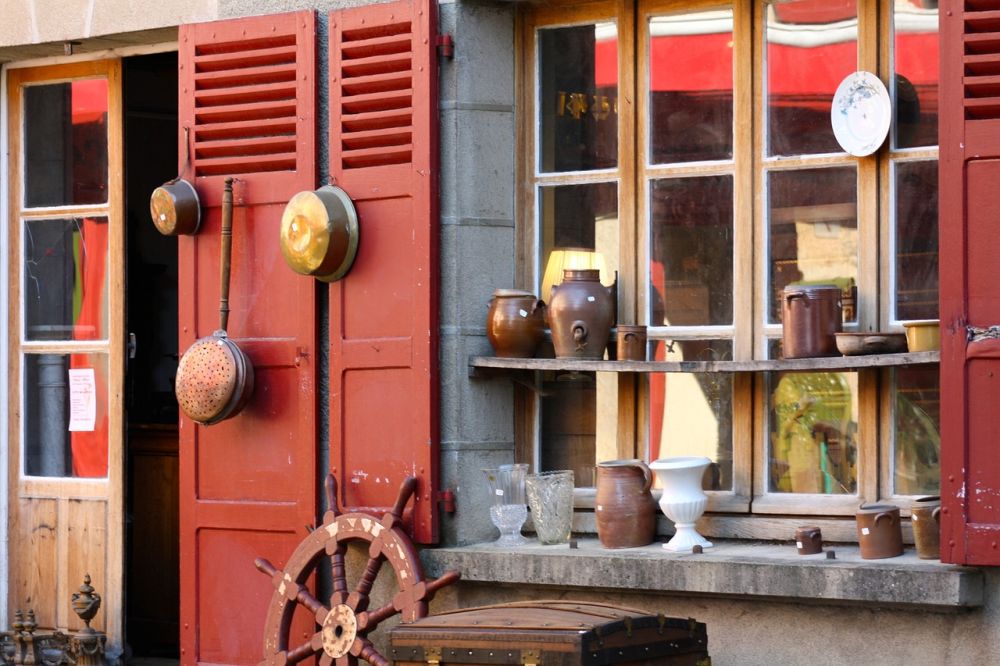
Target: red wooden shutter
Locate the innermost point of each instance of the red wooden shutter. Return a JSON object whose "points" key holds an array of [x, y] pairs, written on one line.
{"points": [[970, 264], [248, 484], [383, 315]]}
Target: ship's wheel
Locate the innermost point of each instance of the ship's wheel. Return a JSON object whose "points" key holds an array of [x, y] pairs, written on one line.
{"points": [[345, 622]]}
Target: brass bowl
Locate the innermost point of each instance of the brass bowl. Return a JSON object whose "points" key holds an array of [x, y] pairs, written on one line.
{"points": [[856, 344], [175, 208], [319, 233]]}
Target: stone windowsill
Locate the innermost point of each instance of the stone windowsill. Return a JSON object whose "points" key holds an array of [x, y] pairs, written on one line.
{"points": [[731, 568]]}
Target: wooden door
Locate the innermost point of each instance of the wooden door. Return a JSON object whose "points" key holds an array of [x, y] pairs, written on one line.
{"points": [[383, 315], [248, 485], [66, 364], [970, 263]]}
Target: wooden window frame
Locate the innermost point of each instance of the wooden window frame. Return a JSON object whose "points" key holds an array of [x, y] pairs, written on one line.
{"points": [[751, 332], [98, 555]]}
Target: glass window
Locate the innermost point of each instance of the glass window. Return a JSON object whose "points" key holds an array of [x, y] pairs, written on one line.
{"points": [[66, 415], [691, 87], [691, 251], [916, 214], [578, 98], [916, 45], [65, 278], [813, 232], [811, 45], [916, 431], [66, 143]]}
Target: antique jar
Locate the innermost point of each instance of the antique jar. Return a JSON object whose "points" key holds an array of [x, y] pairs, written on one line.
{"points": [[515, 323], [581, 314], [925, 517], [811, 316], [879, 531], [624, 507]]}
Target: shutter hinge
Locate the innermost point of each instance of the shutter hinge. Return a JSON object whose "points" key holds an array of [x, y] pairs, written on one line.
{"points": [[445, 46], [447, 500]]}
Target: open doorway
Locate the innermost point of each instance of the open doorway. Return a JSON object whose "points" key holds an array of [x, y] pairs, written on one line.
{"points": [[151, 481]]}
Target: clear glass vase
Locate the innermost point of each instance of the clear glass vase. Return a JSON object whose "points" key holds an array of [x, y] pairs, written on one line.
{"points": [[509, 509], [550, 496]]}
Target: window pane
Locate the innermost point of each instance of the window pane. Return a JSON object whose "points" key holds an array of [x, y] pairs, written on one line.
{"points": [[65, 403], [691, 251], [578, 100], [691, 87], [813, 432], [691, 414], [66, 139], [579, 230], [916, 212], [813, 235], [579, 422], [811, 46], [917, 438], [916, 62], [65, 285]]}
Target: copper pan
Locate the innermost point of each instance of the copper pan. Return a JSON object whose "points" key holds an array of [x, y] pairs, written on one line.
{"points": [[174, 206], [214, 377], [319, 233]]}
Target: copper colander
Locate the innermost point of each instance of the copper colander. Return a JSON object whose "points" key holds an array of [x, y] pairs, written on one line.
{"points": [[206, 379]]}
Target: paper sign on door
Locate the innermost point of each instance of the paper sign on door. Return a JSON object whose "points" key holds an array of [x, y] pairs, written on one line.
{"points": [[82, 400]]}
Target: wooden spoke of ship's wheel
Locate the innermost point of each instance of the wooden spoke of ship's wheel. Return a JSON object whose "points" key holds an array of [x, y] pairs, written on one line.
{"points": [[344, 624]]}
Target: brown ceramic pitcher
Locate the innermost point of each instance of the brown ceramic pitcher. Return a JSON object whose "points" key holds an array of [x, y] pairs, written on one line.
{"points": [[625, 510], [879, 531], [925, 515], [515, 323]]}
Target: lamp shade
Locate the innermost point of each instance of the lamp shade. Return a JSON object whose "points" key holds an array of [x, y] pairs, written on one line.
{"points": [[570, 257]]}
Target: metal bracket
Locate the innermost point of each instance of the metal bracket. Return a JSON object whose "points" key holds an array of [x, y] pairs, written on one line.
{"points": [[445, 46], [531, 657], [432, 655]]}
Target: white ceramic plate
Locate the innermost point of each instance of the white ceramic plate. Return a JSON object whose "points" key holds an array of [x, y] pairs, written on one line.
{"points": [[861, 113]]}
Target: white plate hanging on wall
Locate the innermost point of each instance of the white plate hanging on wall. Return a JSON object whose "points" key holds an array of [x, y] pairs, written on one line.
{"points": [[861, 113]]}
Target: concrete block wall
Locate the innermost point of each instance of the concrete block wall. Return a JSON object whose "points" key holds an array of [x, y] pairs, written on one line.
{"points": [[477, 251]]}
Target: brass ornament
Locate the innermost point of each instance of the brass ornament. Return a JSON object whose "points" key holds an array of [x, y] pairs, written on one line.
{"points": [[319, 233]]}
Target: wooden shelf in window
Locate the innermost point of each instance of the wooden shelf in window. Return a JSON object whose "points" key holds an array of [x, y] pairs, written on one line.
{"points": [[485, 364]]}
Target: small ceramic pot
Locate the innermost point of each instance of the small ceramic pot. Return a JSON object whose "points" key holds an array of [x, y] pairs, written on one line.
{"points": [[879, 532], [809, 540], [515, 323], [811, 316], [925, 516], [625, 509], [631, 342]]}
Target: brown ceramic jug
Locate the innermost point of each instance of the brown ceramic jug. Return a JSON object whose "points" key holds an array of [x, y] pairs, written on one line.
{"points": [[811, 316], [624, 507], [581, 314], [515, 323], [631, 342], [925, 516], [879, 531], [809, 540]]}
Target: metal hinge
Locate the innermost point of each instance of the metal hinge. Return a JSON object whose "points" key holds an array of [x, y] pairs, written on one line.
{"points": [[432, 655], [531, 657], [445, 46]]}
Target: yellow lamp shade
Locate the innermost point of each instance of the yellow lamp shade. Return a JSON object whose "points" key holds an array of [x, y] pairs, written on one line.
{"points": [[570, 258]]}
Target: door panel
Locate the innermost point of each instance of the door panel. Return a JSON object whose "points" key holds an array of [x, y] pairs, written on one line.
{"points": [[246, 109]]}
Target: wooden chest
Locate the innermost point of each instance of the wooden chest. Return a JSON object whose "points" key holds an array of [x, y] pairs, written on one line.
{"points": [[550, 633]]}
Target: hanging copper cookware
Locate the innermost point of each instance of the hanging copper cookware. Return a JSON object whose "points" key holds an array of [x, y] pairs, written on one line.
{"points": [[174, 206], [319, 233], [214, 377]]}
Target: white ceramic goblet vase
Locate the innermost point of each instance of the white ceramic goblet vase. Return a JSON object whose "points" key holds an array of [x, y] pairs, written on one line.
{"points": [[683, 501]]}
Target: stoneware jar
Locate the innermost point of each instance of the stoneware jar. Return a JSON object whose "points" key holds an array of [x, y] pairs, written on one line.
{"points": [[624, 507], [925, 516], [811, 316], [631, 342], [515, 323], [581, 314], [809, 540], [879, 531]]}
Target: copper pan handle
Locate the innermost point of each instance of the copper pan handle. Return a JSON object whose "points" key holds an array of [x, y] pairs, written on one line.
{"points": [[225, 261]]}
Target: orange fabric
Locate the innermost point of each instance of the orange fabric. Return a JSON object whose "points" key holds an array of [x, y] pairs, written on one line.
{"points": [[90, 449]]}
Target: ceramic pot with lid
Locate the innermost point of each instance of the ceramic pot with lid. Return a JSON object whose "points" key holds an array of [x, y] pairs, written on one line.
{"points": [[624, 506], [515, 323], [581, 314], [811, 317]]}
